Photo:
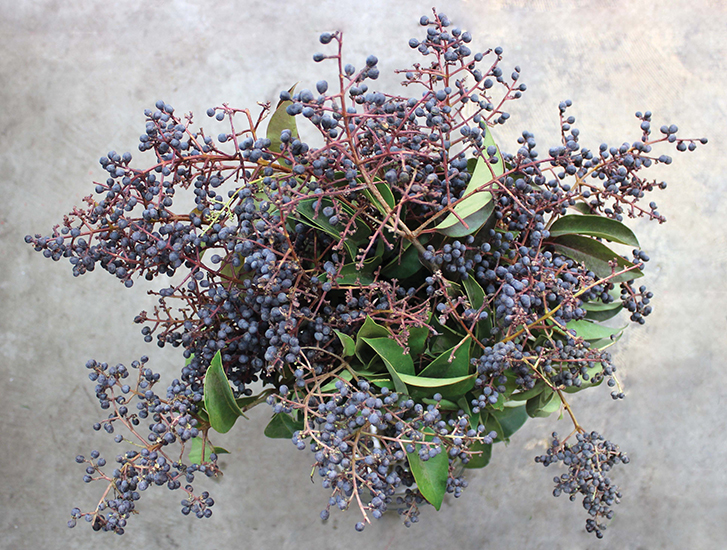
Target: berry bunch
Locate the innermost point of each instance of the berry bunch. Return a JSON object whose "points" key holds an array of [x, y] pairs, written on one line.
{"points": [[589, 460], [406, 293], [169, 420]]}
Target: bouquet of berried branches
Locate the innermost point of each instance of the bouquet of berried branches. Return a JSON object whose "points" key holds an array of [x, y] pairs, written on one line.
{"points": [[403, 295]]}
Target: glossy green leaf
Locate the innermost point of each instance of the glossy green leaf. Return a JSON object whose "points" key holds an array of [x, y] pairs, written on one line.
{"points": [[430, 475], [383, 383], [393, 354], [528, 394], [499, 405], [195, 451], [592, 371], [476, 208], [510, 419], [370, 329], [606, 342], [248, 402], [201, 414], [510, 386], [417, 340], [385, 192], [444, 404], [237, 274], [403, 267], [602, 314], [441, 367], [331, 386], [543, 405], [351, 275], [595, 256], [593, 331], [446, 338], [582, 207], [282, 426], [397, 362], [307, 208], [279, 121], [481, 459], [219, 400], [595, 226], [422, 382], [474, 291], [600, 306], [348, 343], [464, 403]]}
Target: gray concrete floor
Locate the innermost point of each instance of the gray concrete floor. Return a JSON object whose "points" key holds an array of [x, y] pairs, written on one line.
{"points": [[75, 77]]}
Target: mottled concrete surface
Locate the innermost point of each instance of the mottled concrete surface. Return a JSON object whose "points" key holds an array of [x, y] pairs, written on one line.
{"points": [[75, 77]]}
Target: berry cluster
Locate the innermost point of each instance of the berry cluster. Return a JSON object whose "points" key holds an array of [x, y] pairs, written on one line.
{"points": [[406, 293], [169, 421], [361, 439], [589, 461]]}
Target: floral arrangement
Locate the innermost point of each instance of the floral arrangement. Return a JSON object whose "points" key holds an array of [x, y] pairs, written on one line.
{"points": [[403, 296]]}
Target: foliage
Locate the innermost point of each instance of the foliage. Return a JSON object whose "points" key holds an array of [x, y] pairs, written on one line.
{"points": [[407, 293]]}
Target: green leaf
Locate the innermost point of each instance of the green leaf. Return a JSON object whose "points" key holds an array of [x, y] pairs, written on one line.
{"points": [[602, 314], [383, 383], [600, 306], [444, 404], [279, 121], [595, 256], [201, 414], [195, 451], [282, 426], [430, 475], [392, 354], [593, 331], [605, 342], [417, 340], [474, 291], [235, 273], [218, 398], [476, 297], [446, 338], [499, 405], [440, 367], [250, 401], [510, 386], [397, 362], [464, 403], [370, 329], [476, 208], [331, 386], [307, 208], [510, 419], [582, 207], [543, 405], [350, 275], [348, 343], [479, 460], [492, 424], [404, 267], [592, 371], [422, 382], [525, 395], [386, 193], [595, 226]]}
